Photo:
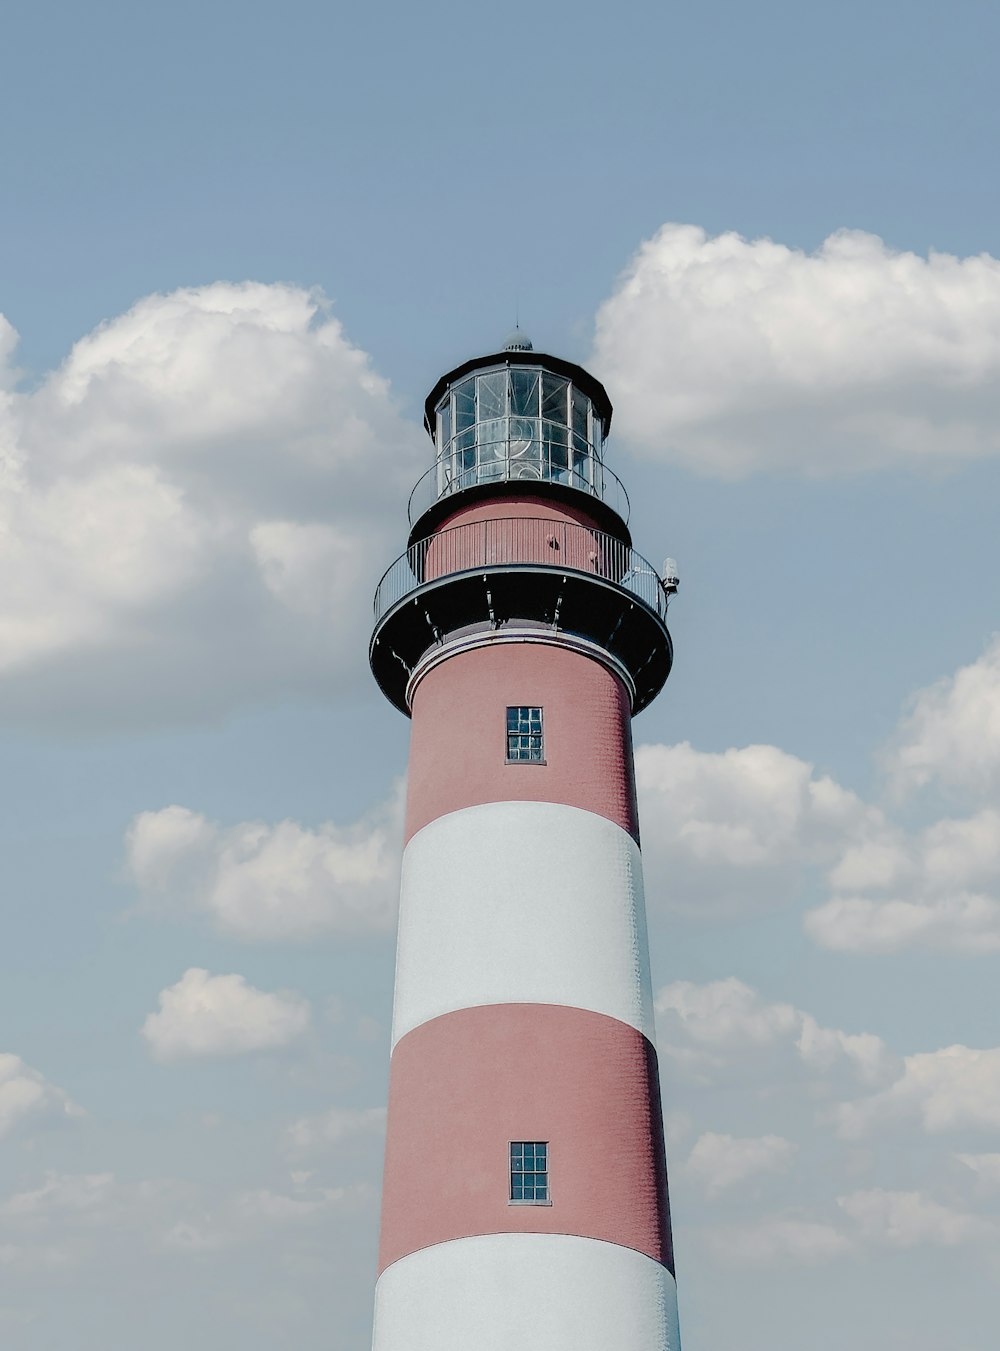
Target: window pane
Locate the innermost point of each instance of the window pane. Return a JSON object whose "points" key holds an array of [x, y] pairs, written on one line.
{"points": [[597, 429], [525, 741], [444, 424], [523, 439], [581, 406], [492, 395], [554, 398], [465, 452], [555, 443], [524, 392], [581, 456], [492, 440], [465, 404], [529, 1180]]}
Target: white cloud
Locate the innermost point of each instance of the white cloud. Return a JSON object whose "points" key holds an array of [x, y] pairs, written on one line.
{"points": [[246, 1215], [938, 888], [262, 882], [81, 1201], [68, 1216], [205, 1015], [724, 830], [951, 733], [725, 1027], [188, 501], [732, 355], [778, 1239], [909, 1219], [957, 1088], [945, 875], [719, 1162], [27, 1098], [986, 1167], [961, 923], [333, 1126]]}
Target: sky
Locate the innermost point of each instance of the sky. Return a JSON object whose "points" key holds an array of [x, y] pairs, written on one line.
{"points": [[238, 244]]}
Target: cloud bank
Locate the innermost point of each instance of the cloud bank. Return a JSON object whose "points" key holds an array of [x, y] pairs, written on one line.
{"points": [[724, 831], [191, 507], [260, 882], [724, 1029], [731, 355], [938, 887]]}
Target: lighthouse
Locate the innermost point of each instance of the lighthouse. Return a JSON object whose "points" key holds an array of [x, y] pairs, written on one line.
{"points": [[525, 1190]]}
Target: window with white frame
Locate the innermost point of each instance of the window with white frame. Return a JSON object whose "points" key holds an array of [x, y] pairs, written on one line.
{"points": [[525, 742], [529, 1172]]}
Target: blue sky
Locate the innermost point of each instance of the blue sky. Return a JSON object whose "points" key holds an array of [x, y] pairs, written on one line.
{"points": [[237, 246]]}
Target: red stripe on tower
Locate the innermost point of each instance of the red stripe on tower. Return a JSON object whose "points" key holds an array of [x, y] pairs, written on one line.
{"points": [[525, 1194]]}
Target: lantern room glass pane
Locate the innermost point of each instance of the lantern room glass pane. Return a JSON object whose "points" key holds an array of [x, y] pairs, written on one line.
{"points": [[581, 407], [492, 395], [444, 425], [581, 457], [554, 398], [465, 405], [524, 392], [556, 442]]}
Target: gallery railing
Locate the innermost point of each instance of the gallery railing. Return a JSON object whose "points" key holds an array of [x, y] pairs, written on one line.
{"points": [[521, 541]]}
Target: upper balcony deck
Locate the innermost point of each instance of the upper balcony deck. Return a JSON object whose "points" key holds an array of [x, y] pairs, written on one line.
{"points": [[505, 576]]}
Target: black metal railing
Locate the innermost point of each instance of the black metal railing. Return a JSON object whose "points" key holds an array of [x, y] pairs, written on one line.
{"points": [[521, 541], [532, 466]]}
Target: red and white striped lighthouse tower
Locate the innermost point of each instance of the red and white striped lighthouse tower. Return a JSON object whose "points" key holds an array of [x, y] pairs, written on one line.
{"points": [[525, 1193]]}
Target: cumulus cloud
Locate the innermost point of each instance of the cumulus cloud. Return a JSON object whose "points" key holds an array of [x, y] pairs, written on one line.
{"points": [[778, 1239], [986, 1168], [247, 1215], [957, 1088], [721, 831], [939, 887], [263, 882], [69, 1217], [193, 507], [961, 923], [907, 1219], [725, 1027], [733, 355], [205, 1015], [719, 1162], [334, 1126], [951, 733], [82, 1193], [27, 1098], [942, 885]]}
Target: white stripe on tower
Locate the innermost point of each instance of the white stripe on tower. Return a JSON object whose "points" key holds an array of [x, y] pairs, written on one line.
{"points": [[519, 1292], [522, 902]]}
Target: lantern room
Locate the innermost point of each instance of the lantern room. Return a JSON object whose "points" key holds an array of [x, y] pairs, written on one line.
{"points": [[518, 418]]}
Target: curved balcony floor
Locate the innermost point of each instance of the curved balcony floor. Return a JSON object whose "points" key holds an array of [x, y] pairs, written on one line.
{"points": [[497, 597]]}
